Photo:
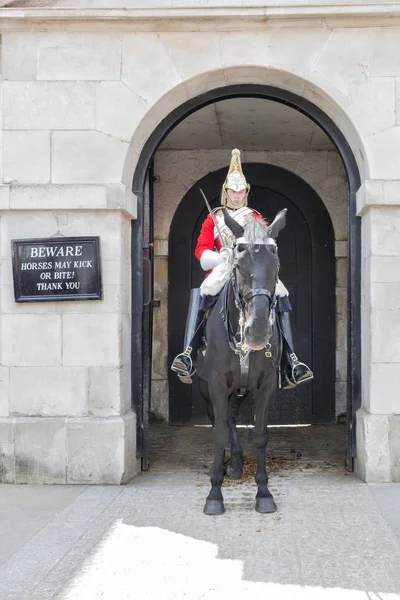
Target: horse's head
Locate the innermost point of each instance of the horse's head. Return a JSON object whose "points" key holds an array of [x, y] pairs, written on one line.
{"points": [[256, 265]]}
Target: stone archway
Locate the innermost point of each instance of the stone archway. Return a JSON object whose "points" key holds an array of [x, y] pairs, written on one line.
{"points": [[139, 188]]}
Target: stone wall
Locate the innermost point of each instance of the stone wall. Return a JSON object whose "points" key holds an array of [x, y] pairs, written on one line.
{"points": [[177, 171], [65, 399], [82, 94], [65, 405]]}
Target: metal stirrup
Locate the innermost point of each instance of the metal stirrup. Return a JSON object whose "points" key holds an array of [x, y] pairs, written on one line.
{"points": [[304, 365], [188, 354], [192, 368], [189, 371]]}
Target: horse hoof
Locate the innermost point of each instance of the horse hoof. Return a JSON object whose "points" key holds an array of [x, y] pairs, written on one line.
{"points": [[214, 507], [235, 475], [266, 505]]}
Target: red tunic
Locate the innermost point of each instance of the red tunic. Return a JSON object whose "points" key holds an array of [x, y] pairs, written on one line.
{"points": [[206, 240]]}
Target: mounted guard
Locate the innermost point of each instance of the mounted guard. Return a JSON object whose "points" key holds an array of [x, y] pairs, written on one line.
{"points": [[214, 250]]}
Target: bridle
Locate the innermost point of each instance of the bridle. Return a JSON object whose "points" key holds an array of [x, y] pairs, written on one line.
{"points": [[257, 292], [242, 300], [237, 340], [242, 348]]}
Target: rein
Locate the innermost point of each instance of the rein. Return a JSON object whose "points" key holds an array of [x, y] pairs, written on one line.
{"points": [[236, 341], [241, 347]]}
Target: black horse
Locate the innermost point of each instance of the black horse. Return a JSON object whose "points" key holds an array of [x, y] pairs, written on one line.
{"points": [[242, 355]]}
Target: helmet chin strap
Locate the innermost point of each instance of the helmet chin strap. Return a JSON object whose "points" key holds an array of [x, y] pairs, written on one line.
{"points": [[229, 204]]}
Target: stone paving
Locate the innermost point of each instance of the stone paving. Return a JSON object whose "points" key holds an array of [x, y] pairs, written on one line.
{"points": [[333, 536]]}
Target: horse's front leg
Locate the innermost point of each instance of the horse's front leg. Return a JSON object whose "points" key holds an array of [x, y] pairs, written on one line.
{"points": [[235, 470], [218, 391], [264, 500]]}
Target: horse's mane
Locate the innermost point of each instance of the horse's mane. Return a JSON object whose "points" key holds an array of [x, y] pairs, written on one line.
{"points": [[255, 232]]}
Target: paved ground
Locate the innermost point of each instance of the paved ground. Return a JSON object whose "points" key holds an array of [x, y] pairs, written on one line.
{"points": [[333, 537]]}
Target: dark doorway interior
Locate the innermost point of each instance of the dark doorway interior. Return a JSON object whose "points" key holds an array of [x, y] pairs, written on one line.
{"points": [[306, 251]]}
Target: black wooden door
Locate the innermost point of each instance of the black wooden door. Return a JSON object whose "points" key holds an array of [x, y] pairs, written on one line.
{"points": [[142, 314], [305, 249]]}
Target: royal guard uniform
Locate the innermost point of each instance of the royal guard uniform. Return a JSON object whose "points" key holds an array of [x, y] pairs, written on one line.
{"points": [[216, 258]]}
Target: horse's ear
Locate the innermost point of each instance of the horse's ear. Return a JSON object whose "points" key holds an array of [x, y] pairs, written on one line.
{"points": [[236, 229], [277, 224]]}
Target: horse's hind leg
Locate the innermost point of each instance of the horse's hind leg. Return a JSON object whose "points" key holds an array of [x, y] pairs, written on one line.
{"points": [[215, 502], [235, 469], [265, 502]]}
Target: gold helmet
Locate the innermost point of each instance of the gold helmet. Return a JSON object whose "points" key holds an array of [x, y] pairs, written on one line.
{"points": [[235, 180]]}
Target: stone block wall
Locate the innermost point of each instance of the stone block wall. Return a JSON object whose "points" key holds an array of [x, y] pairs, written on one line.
{"points": [[176, 171], [65, 397], [378, 422], [80, 100], [65, 384]]}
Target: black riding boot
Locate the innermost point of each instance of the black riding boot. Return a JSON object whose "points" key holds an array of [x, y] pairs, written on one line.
{"points": [[183, 364], [293, 372]]}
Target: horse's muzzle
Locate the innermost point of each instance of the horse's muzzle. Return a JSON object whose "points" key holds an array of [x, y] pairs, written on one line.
{"points": [[257, 334]]}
